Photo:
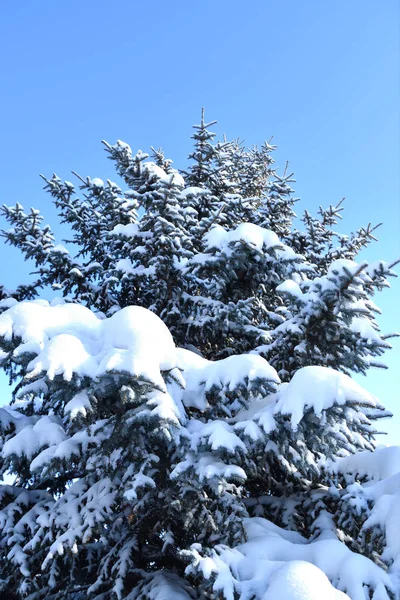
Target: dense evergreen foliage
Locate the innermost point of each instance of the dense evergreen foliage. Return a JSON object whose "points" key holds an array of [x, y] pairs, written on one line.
{"points": [[183, 420]]}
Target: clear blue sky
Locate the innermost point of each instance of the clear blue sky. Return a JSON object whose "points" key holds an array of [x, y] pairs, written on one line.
{"points": [[321, 77]]}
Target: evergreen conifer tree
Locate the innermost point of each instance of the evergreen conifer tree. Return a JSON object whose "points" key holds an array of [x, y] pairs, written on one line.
{"points": [[184, 424]]}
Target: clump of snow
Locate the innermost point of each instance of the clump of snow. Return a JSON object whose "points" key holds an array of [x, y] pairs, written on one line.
{"points": [[319, 388], [208, 467], [123, 146], [60, 249], [300, 580], [129, 230], [378, 465], [37, 321], [339, 265], [378, 267], [47, 431], [97, 182], [194, 191], [64, 354], [290, 287], [79, 404], [126, 266], [203, 375], [215, 435], [176, 178], [366, 329], [71, 339], [164, 586], [7, 303], [172, 178], [137, 341], [155, 170], [249, 233]]}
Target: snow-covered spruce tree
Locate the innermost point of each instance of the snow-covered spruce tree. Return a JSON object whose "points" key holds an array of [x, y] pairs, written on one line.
{"points": [[183, 423]]}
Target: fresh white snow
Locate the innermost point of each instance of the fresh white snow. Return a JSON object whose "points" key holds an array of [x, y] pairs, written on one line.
{"points": [[71, 339], [251, 234], [318, 388]]}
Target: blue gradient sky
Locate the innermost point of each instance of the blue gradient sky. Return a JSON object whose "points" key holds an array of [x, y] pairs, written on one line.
{"points": [[322, 78]]}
